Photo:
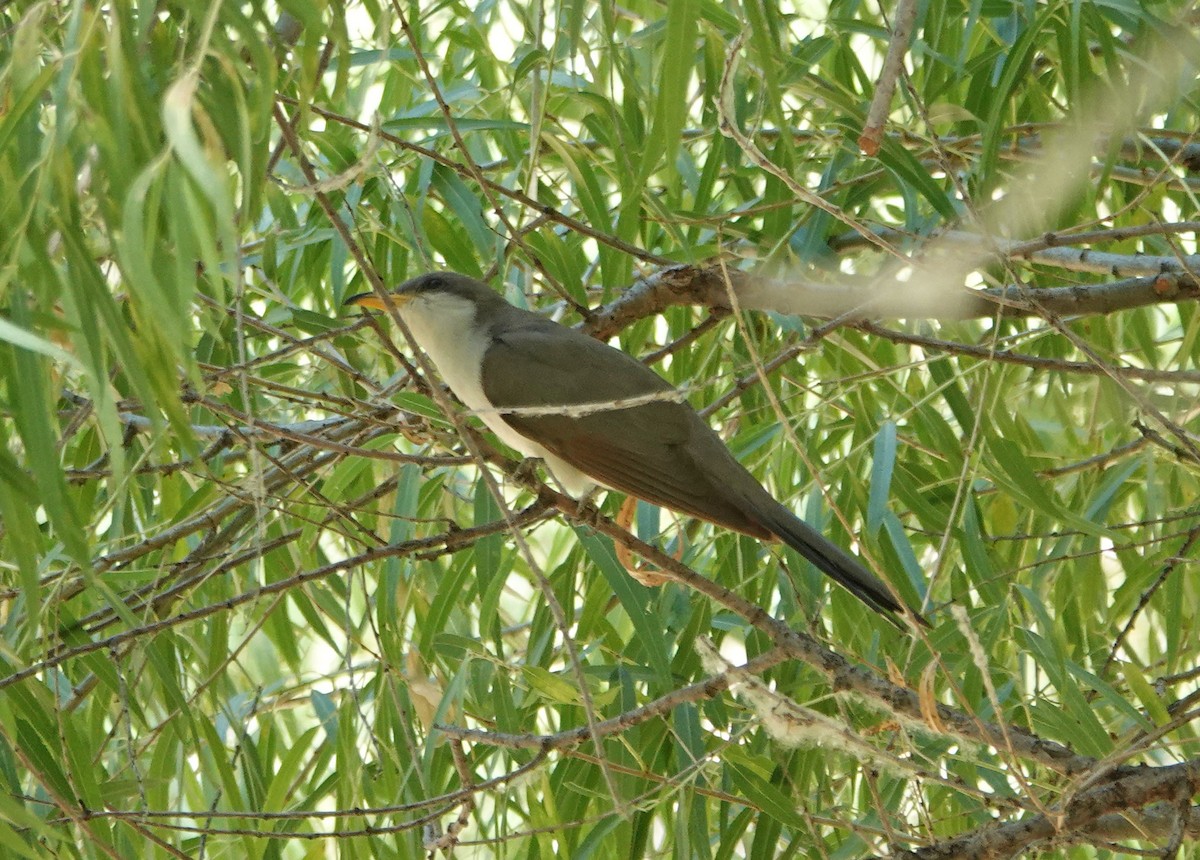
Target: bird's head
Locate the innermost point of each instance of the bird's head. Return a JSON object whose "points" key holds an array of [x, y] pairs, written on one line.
{"points": [[434, 293]]}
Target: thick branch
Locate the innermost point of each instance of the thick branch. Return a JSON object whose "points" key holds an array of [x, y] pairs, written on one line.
{"points": [[705, 286], [1130, 791]]}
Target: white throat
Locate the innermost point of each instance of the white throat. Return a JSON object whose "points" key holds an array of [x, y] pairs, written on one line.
{"points": [[445, 327]]}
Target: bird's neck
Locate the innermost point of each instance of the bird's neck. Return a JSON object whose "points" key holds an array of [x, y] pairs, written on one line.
{"points": [[452, 338]]}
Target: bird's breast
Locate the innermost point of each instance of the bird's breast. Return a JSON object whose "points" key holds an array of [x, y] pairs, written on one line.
{"points": [[456, 346]]}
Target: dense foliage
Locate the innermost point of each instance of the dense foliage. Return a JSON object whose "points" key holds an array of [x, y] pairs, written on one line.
{"points": [[256, 589]]}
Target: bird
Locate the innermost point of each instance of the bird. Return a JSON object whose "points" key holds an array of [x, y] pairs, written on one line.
{"points": [[622, 426]]}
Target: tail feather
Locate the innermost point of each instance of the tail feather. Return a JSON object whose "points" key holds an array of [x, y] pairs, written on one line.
{"points": [[834, 562]]}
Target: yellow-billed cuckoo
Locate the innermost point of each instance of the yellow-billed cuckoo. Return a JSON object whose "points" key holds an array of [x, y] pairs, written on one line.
{"points": [[498, 357]]}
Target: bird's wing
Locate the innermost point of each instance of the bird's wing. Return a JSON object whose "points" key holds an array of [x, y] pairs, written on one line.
{"points": [[649, 451], [661, 451]]}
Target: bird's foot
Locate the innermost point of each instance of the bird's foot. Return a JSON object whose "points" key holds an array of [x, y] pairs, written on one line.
{"points": [[526, 472], [586, 512]]}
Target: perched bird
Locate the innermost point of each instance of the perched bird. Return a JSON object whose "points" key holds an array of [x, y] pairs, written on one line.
{"points": [[497, 357]]}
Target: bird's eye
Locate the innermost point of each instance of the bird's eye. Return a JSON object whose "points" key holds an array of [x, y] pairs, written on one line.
{"points": [[432, 282]]}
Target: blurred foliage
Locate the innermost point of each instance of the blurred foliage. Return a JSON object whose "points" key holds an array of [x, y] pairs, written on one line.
{"points": [[247, 565]]}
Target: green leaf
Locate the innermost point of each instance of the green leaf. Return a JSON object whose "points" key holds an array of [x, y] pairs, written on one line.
{"points": [[24, 339], [883, 464], [634, 600], [765, 796], [1016, 476], [1145, 693]]}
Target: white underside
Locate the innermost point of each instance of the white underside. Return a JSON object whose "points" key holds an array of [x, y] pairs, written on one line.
{"points": [[444, 327]]}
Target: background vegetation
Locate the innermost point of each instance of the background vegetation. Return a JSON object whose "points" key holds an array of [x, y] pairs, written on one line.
{"points": [[257, 599]]}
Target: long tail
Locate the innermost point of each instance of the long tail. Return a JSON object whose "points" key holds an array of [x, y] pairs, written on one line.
{"points": [[834, 561]]}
